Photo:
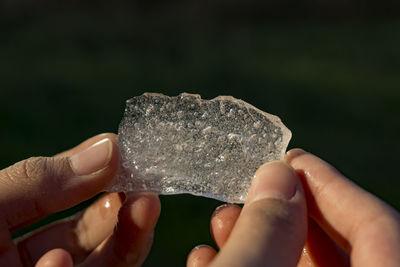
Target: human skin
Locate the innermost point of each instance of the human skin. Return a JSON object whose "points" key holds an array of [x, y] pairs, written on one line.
{"points": [[302, 212], [346, 224], [116, 230]]}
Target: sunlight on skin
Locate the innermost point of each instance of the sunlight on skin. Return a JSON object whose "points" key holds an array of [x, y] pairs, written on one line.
{"points": [[323, 245], [90, 239]]}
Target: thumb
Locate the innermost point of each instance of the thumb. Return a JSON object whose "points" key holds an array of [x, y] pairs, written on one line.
{"points": [[38, 186], [272, 226]]}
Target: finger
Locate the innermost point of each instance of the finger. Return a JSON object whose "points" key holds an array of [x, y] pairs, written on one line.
{"points": [[55, 258], [132, 238], [222, 222], [200, 256], [320, 250], [305, 260], [78, 236], [87, 143], [36, 187], [8, 251], [350, 215], [272, 226]]}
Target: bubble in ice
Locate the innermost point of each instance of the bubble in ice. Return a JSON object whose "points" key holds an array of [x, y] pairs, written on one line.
{"points": [[185, 144]]}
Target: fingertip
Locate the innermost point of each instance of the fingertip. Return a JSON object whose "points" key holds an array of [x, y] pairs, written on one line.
{"points": [[272, 225], [143, 210], [113, 164], [87, 143], [225, 209], [200, 256], [97, 221], [96, 156], [111, 136], [293, 153], [273, 180], [93, 168], [133, 235], [56, 257], [222, 222]]}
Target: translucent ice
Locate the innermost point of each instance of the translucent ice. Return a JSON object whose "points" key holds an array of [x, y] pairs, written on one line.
{"points": [[184, 144]]}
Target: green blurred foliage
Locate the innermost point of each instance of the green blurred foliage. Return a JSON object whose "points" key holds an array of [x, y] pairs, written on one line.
{"points": [[64, 77]]}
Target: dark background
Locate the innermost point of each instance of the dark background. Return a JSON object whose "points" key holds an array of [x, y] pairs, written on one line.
{"points": [[329, 69]]}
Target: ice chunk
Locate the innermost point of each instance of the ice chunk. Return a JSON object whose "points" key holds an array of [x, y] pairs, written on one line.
{"points": [[184, 144]]}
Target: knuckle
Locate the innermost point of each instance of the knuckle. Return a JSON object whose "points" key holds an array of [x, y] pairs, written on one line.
{"points": [[23, 171], [35, 170], [36, 167], [32, 170]]}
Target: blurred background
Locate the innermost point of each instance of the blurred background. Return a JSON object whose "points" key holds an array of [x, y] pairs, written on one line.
{"points": [[330, 70]]}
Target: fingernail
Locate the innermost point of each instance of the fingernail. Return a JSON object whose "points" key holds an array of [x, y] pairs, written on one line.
{"points": [[293, 153], [220, 208], [92, 159], [199, 247], [275, 180]]}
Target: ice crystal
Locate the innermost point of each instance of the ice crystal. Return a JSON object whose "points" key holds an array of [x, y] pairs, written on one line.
{"points": [[184, 144]]}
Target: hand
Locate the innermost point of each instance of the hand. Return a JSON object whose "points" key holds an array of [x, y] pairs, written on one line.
{"points": [[36, 187], [346, 225], [270, 230]]}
